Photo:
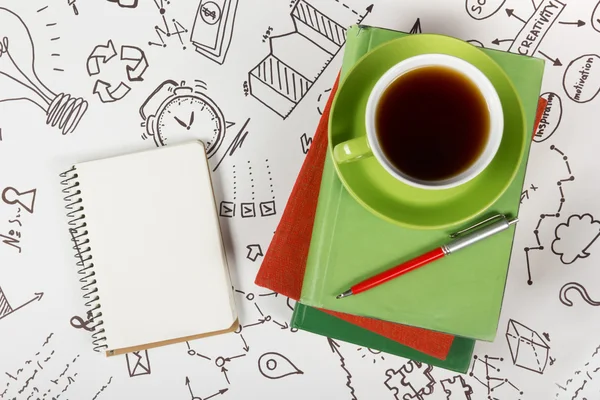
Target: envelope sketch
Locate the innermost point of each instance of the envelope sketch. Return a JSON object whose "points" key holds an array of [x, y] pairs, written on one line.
{"points": [[138, 363]]}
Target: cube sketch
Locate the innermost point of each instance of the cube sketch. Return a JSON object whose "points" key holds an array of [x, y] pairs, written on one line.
{"points": [[527, 348]]}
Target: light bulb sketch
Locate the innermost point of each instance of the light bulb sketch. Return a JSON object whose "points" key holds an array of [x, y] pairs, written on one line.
{"points": [[19, 80]]}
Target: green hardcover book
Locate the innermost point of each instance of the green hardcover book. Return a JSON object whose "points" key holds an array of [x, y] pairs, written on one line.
{"points": [[447, 296], [313, 320]]}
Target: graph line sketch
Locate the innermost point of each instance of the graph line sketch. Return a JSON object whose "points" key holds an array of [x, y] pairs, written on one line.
{"points": [[546, 216], [6, 309], [166, 32], [486, 371], [284, 77]]}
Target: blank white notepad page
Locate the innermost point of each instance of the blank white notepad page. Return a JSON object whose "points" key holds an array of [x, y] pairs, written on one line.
{"points": [[158, 255]]}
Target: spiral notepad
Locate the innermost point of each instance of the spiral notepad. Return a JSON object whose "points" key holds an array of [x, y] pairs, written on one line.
{"points": [[149, 249]]}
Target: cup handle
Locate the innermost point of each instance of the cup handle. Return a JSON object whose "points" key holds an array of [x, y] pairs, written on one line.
{"points": [[352, 150]]}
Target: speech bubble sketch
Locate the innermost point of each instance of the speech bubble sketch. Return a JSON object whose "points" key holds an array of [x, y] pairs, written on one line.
{"points": [[550, 117], [581, 80], [483, 9], [596, 18], [574, 237]]}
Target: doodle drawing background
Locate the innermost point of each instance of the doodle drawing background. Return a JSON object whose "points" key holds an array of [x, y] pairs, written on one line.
{"points": [[88, 79]]}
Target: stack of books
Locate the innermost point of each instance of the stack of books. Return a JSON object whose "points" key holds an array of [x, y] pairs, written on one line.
{"points": [[438, 316]]}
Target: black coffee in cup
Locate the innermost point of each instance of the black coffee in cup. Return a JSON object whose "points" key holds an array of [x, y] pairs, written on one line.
{"points": [[432, 123]]}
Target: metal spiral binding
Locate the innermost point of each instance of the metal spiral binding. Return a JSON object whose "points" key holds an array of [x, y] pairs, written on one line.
{"points": [[81, 246]]}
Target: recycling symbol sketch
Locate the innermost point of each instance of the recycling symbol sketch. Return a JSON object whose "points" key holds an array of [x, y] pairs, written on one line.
{"points": [[132, 61]]}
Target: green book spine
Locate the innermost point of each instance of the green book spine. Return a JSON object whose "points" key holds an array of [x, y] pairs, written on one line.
{"points": [[313, 320]]}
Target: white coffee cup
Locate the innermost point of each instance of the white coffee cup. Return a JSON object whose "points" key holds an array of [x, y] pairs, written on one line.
{"points": [[362, 147]]}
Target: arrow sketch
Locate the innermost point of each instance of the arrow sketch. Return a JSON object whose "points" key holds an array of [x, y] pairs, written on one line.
{"points": [[511, 13], [579, 23], [498, 41], [285, 326], [108, 95], [555, 61], [246, 347], [132, 53], [224, 371], [187, 383], [100, 53], [6, 309], [335, 348], [233, 357], [260, 322], [254, 251]]}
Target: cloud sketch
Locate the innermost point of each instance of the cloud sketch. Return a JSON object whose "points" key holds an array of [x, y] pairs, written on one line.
{"points": [[574, 238]]}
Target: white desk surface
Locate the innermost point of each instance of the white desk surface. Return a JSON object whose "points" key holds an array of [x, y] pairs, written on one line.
{"points": [[115, 54]]}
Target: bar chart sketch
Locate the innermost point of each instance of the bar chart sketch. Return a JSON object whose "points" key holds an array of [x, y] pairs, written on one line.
{"points": [[284, 77]]}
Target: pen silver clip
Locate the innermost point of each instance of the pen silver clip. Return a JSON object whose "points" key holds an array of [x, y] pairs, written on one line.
{"points": [[479, 224]]}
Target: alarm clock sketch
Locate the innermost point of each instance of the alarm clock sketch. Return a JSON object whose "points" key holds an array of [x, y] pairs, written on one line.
{"points": [[176, 110]]}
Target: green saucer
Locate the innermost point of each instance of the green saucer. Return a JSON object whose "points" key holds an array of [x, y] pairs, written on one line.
{"points": [[378, 191]]}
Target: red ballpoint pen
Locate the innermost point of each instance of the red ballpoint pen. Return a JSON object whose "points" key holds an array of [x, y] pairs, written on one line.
{"points": [[460, 240]]}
